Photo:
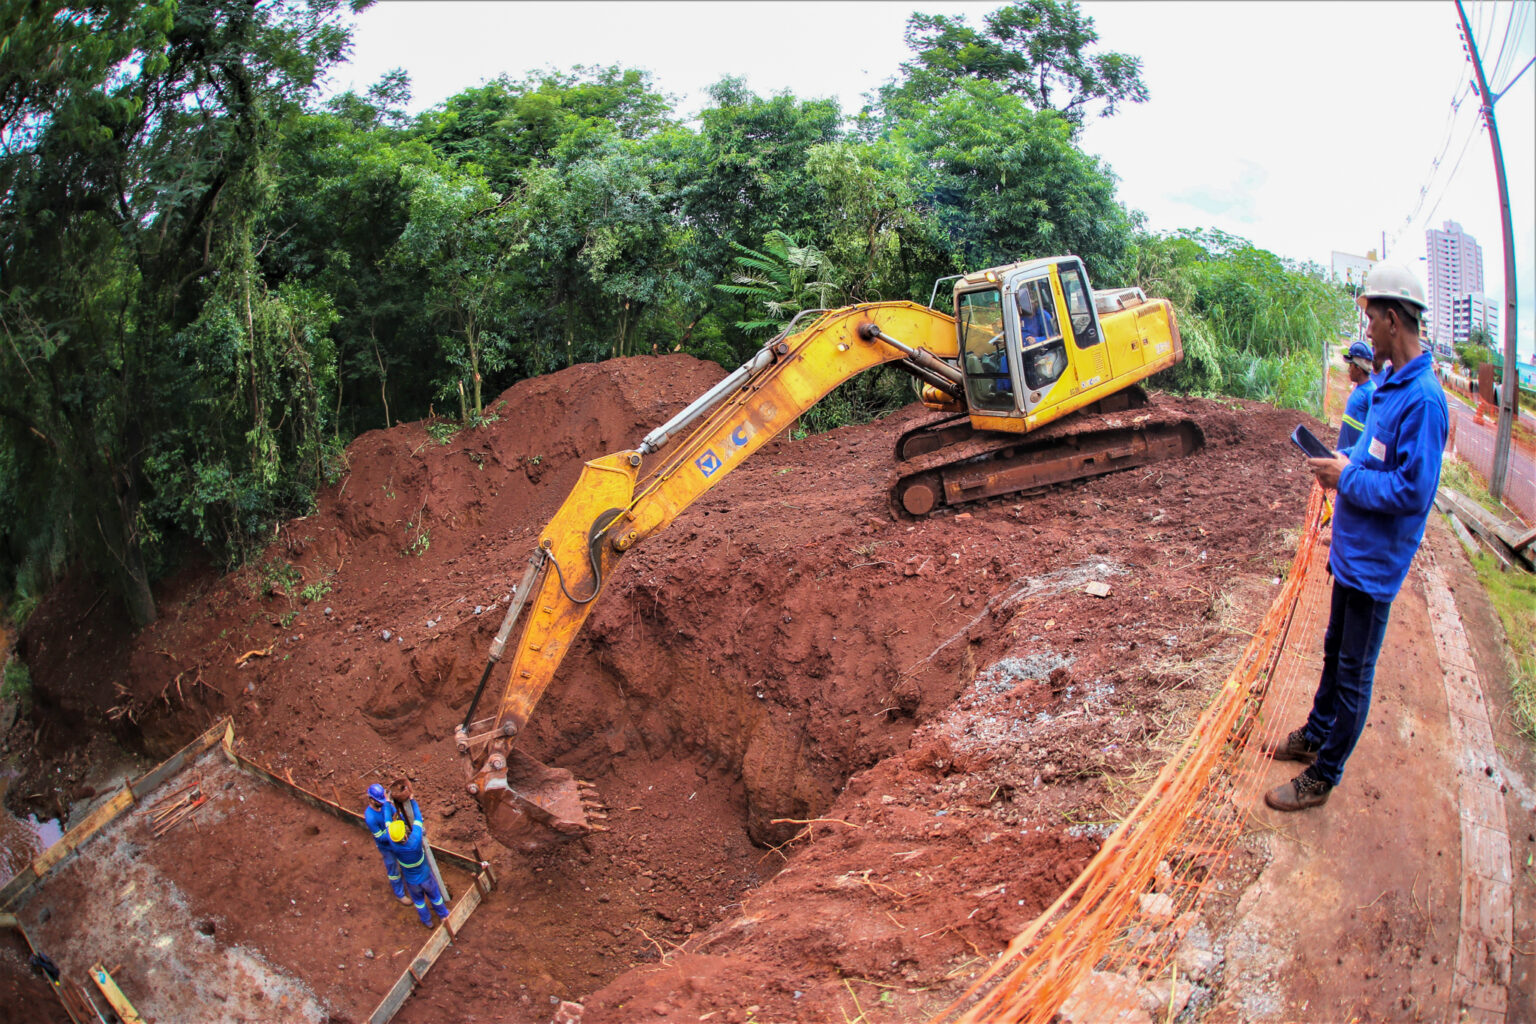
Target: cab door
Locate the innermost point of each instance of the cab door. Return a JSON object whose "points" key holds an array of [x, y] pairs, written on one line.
{"points": [[1097, 361], [1042, 340], [985, 352]]}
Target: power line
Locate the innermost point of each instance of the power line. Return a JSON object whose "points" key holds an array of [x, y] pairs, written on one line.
{"points": [[1499, 63], [1446, 188], [1463, 89], [1516, 31]]}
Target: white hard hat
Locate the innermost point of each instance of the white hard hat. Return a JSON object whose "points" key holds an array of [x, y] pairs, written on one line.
{"points": [[1392, 281]]}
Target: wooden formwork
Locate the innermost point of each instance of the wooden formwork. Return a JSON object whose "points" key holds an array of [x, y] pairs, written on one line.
{"points": [[79, 1002]]}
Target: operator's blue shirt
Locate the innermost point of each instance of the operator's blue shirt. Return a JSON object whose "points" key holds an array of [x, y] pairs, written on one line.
{"points": [[1388, 488], [378, 823], [1355, 411], [409, 853]]}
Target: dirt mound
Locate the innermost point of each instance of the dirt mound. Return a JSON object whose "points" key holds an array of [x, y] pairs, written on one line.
{"points": [[943, 693]]}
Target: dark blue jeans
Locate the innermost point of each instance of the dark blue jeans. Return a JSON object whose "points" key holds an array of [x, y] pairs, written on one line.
{"points": [[1357, 623]]}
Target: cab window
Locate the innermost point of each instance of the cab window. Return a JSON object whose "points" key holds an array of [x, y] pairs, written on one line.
{"points": [[983, 345], [1079, 306], [1037, 311], [1043, 351]]}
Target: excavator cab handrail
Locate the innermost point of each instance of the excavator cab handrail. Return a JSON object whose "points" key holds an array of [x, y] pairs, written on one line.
{"points": [[938, 281]]}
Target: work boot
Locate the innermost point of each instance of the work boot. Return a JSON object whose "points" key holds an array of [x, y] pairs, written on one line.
{"points": [[404, 899], [1296, 747], [1306, 790]]}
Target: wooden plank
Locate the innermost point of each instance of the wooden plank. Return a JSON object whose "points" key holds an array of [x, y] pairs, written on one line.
{"points": [[77, 836], [1523, 540], [394, 1000], [19, 883], [179, 760], [1491, 541], [1487, 524], [425, 957], [1463, 535], [114, 995]]}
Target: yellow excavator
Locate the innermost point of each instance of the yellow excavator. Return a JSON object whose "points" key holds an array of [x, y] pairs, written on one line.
{"points": [[1029, 344]]}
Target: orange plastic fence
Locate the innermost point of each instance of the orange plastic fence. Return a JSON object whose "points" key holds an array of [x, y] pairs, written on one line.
{"points": [[1179, 835]]}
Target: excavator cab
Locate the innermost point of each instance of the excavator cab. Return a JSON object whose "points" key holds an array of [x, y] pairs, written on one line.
{"points": [[1023, 330]]}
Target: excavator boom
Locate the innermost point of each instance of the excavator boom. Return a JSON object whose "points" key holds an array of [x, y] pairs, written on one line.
{"points": [[610, 510]]}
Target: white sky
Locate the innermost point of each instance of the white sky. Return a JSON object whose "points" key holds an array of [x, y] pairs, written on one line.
{"points": [[1305, 127]]}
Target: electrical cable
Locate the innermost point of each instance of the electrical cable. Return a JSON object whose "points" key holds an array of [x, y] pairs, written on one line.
{"points": [[1516, 30], [1498, 65], [1463, 89], [1445, 189]]}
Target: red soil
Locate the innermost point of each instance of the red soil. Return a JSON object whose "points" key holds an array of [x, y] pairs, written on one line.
{"points": [[943, 692]]}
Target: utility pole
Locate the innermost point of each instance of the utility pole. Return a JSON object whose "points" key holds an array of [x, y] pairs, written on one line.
{"points": [[1509, 391]]}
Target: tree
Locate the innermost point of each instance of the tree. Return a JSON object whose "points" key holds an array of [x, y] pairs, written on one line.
{"points": [[999, 182], [870, 212], [1473, 354], [339, 201], [460, 240], [506, 127], [1038, 50], [133, 144]]}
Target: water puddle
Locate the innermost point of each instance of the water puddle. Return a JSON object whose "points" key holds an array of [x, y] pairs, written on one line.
{"points": [[22, 839]]}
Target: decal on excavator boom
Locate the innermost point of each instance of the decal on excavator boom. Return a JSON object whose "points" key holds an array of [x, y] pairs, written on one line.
{"points": [[709, 463]]}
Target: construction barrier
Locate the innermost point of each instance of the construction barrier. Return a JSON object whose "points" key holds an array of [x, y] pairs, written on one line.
{"points": [[1175, 841], [1472, 440]]}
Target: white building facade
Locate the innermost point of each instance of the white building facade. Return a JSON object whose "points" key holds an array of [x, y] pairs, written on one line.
{"points": [[1455, 271], [1473, 312]]}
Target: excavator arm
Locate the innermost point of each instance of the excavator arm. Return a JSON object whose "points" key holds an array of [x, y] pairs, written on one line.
{"points": [[611, 509]]}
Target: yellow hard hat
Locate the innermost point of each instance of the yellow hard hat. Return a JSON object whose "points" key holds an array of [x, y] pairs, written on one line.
{"points": [[397, 831]]}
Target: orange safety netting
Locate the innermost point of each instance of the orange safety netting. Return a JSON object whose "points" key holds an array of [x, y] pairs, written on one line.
{"points": [[1175, 841]]}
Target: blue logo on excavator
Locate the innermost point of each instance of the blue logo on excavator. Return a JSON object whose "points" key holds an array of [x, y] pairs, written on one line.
{"points": [[709, 463]]}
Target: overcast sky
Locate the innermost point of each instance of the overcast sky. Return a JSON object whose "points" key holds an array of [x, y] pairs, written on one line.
{"points": [[1304, 127]]}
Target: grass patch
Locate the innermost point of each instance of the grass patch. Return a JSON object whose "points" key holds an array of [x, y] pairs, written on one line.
{"points": [[1458, 475], [17, 684], [1513, 596]]}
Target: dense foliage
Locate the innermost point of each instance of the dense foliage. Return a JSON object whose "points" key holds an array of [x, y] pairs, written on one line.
{"points": [[210, 279]]}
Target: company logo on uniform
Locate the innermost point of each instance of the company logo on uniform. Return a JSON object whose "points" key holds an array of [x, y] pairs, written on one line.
{"points": [[709, 463]]}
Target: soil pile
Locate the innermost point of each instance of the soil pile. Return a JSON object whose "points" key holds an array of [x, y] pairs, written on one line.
{"points": [[956, 717]]}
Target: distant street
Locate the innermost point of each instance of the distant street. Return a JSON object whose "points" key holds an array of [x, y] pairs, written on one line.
{"points": [[1474, 442]]}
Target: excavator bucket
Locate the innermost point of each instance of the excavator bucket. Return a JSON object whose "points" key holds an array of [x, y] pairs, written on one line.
{"points": [[540, 805]]}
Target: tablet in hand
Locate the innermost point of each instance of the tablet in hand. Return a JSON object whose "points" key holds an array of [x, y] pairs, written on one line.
{"points": [[1308, 442]]}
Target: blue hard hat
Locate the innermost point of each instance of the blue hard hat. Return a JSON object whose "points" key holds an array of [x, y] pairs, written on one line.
{"points": [[376, 792], [1359, 350]]}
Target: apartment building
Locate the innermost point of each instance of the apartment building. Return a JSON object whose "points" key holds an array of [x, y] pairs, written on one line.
{"points": [[1455, 271]]}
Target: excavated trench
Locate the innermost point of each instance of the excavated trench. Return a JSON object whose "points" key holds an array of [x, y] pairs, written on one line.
{"points": [[786, 651]]}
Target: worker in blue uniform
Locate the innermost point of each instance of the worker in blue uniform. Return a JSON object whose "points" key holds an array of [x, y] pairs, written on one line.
{"points": [[409, 846], [1386, 485], [1360, 359], [377, 816]]}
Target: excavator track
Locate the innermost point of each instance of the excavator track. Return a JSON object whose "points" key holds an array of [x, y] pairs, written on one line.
{"points": [[985, 464]]}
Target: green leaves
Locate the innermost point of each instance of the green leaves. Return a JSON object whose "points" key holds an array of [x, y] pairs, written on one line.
{"points": [[782, 280], [1037, 50], [134, 141], [1253, 324]]}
